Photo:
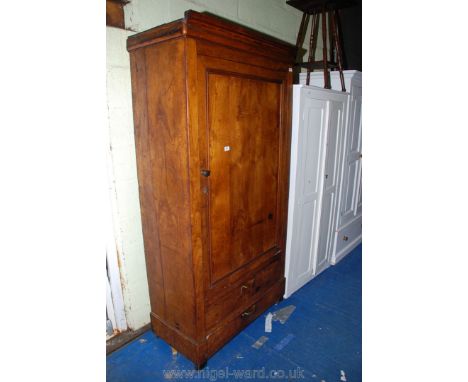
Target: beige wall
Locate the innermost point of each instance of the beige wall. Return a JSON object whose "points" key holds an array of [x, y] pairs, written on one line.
{"points": [[273, 17]]}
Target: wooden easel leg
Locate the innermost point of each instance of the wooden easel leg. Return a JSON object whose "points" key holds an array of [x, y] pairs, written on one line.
{"points": [[312, 45], [338, 49], [331, 37], [301, 35], [326, 75]]}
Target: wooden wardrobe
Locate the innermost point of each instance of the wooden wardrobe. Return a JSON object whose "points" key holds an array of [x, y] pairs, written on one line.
{"points": [[211, 103]]}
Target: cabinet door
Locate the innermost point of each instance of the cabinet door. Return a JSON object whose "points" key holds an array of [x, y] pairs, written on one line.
{"points": [[350, 198], [330, 174], [240, 119], [309, 186]]}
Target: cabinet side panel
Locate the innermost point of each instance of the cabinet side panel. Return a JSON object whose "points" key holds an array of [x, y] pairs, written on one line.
{"points": [[142, 146], [162, 158], [284, 160], [197, 194]]}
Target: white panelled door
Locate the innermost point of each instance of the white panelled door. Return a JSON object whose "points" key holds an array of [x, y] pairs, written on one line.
{"points": [[309, 185], [315, 156], [351, 201], [325, 193], [330, 174]]}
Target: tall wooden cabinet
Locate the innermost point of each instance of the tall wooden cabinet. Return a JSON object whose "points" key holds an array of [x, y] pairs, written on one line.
{"points": [[211, 103]]}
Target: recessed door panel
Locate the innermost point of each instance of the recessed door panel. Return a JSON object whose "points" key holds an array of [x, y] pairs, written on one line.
{"points": [[331, 161], [243, 151], [359, 200], [326, 228], [312, 137], [351, 170], [356, 124], [350, 205], [307, 224], [327, 221], [309, 185]]}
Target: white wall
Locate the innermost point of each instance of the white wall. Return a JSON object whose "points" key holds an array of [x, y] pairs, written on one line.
{"points": [[124, 185], [270, 16], [273, 17]]}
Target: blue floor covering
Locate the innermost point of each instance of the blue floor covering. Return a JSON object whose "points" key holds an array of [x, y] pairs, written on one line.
{"points": [[321, 340]]}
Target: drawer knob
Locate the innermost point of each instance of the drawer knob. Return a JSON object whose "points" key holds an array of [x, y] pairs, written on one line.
{"points": [[345, 238], [247, 313], [244, 287], [205, 173]]}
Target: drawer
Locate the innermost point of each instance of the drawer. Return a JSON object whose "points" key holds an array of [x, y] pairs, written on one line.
{"points": [[241, 295], [224, 286], [348, 235], [231, 327]]}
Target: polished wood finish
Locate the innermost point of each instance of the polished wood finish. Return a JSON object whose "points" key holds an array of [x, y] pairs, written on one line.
{"points": [[115, 13], [212, 116], [243, 181]]}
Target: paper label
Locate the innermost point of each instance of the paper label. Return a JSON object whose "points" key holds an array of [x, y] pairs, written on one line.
{"points": [[268, 319]]}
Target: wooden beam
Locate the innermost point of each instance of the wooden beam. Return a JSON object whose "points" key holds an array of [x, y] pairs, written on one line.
{"points": [[121, 339], [115, 13]]}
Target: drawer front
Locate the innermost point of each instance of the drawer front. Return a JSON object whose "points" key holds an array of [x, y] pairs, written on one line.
{"points": [[348, 234], [225, 286], [230, 328], [240, 297]]}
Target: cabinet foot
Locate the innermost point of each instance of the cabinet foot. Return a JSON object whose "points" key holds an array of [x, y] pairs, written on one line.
{"points": [[199, 366]]}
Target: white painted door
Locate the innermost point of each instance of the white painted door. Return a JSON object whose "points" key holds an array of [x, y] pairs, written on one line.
{"points": [[307, 191], [330, 175], [351, 198]]}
